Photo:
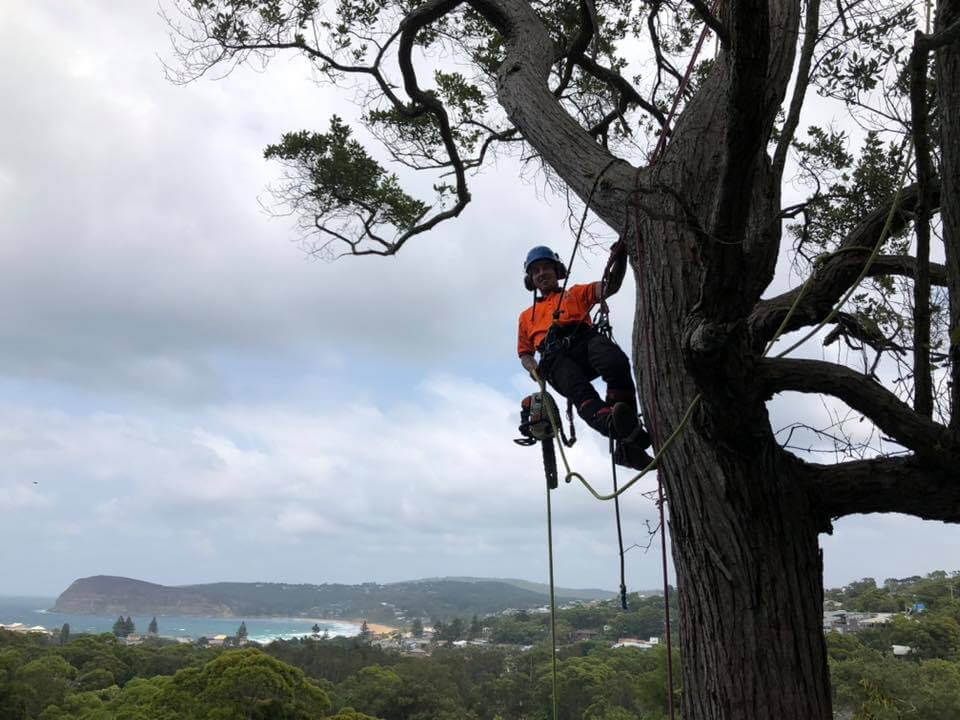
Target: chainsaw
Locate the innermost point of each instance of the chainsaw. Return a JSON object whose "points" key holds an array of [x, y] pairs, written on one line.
{"points": [[535, 426]]}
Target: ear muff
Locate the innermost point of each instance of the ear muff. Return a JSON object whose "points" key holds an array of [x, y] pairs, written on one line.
{"points": [[528, 282], [561, 271]]}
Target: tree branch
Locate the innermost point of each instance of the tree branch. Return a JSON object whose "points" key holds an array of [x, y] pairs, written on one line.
{"points": [[835, 275], [906, 266], [947, 66], [799, 88], [617, 81], [747, 115], [919, 109], [850, 326], [588, 27], [712, 21], [523, 92], [900, 484], [939, 39], [928, 439]]}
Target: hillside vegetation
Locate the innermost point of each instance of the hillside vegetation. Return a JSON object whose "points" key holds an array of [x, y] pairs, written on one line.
{"points": [[100, 678], [439, 598]]}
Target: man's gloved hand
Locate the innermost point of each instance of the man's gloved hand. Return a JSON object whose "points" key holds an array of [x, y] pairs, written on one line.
{"points": [[530, 365]]}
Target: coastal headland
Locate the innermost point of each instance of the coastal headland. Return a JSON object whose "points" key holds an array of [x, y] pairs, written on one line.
{"points": [[384, 607]]}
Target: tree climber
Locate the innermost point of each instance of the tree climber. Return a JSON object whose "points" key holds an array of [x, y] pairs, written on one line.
{"points": [[573, 352]]}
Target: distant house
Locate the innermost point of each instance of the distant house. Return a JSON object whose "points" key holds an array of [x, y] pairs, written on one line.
{"points": [[636, 642], [877, 619], [21, 628], [845, 622], [217, 640], [581, 635], [835, 620]]}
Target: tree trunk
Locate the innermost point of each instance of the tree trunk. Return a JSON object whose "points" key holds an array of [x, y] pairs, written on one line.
{"points": [[744, 532], [749, 577], [749, 571], [948, 87], [744, 529]]}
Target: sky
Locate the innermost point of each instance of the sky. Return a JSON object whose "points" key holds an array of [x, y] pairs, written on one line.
{"points": [[186, 396]]}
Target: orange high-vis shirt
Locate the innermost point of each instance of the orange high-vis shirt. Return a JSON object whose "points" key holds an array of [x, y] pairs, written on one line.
{"points": [[577, 301]]}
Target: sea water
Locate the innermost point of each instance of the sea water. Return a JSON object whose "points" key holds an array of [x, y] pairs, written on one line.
{"points": [[33, 611]]}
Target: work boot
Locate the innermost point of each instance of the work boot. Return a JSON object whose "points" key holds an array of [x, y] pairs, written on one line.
{"points": [[631, 456], [624, 419], [627, 425], [597, 415]]}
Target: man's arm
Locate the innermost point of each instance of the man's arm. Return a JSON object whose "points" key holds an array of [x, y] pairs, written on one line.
{"points": [[529, 363]]}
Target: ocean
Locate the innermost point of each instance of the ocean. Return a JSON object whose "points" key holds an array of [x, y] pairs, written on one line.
{"points": [[33, 611]]}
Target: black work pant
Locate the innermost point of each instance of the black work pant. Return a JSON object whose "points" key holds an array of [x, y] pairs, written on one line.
{"points": [[590, 355]]}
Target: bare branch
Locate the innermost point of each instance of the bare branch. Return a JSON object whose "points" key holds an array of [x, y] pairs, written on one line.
{"points": [[588, 27], [835, 275], [900, 484], [929, 440], [662, 62], [850, 326], [906, 266], [617, 81], [534, 110]]}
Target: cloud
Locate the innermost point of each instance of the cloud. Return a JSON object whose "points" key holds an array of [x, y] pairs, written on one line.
{"points": [[436, 473]]}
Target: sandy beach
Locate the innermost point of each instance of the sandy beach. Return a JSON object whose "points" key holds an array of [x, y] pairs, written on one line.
{"points": [[375, 627]]}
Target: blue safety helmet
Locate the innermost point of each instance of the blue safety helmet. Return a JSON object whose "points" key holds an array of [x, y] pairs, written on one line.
{"points": [[541, 252]]}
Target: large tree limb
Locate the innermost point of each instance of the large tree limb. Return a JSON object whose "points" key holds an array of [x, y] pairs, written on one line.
{"points": [[919, 107], [711, 20], [533, 109], [835, 275], [940, 39], [799, 88], [899, 484], [904, 265], [928, 439], [754, 72], [748, 59], [947, 64]]}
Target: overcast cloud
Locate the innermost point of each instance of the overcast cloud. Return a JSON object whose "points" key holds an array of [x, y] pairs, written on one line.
{"points": [[186, 397]]}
